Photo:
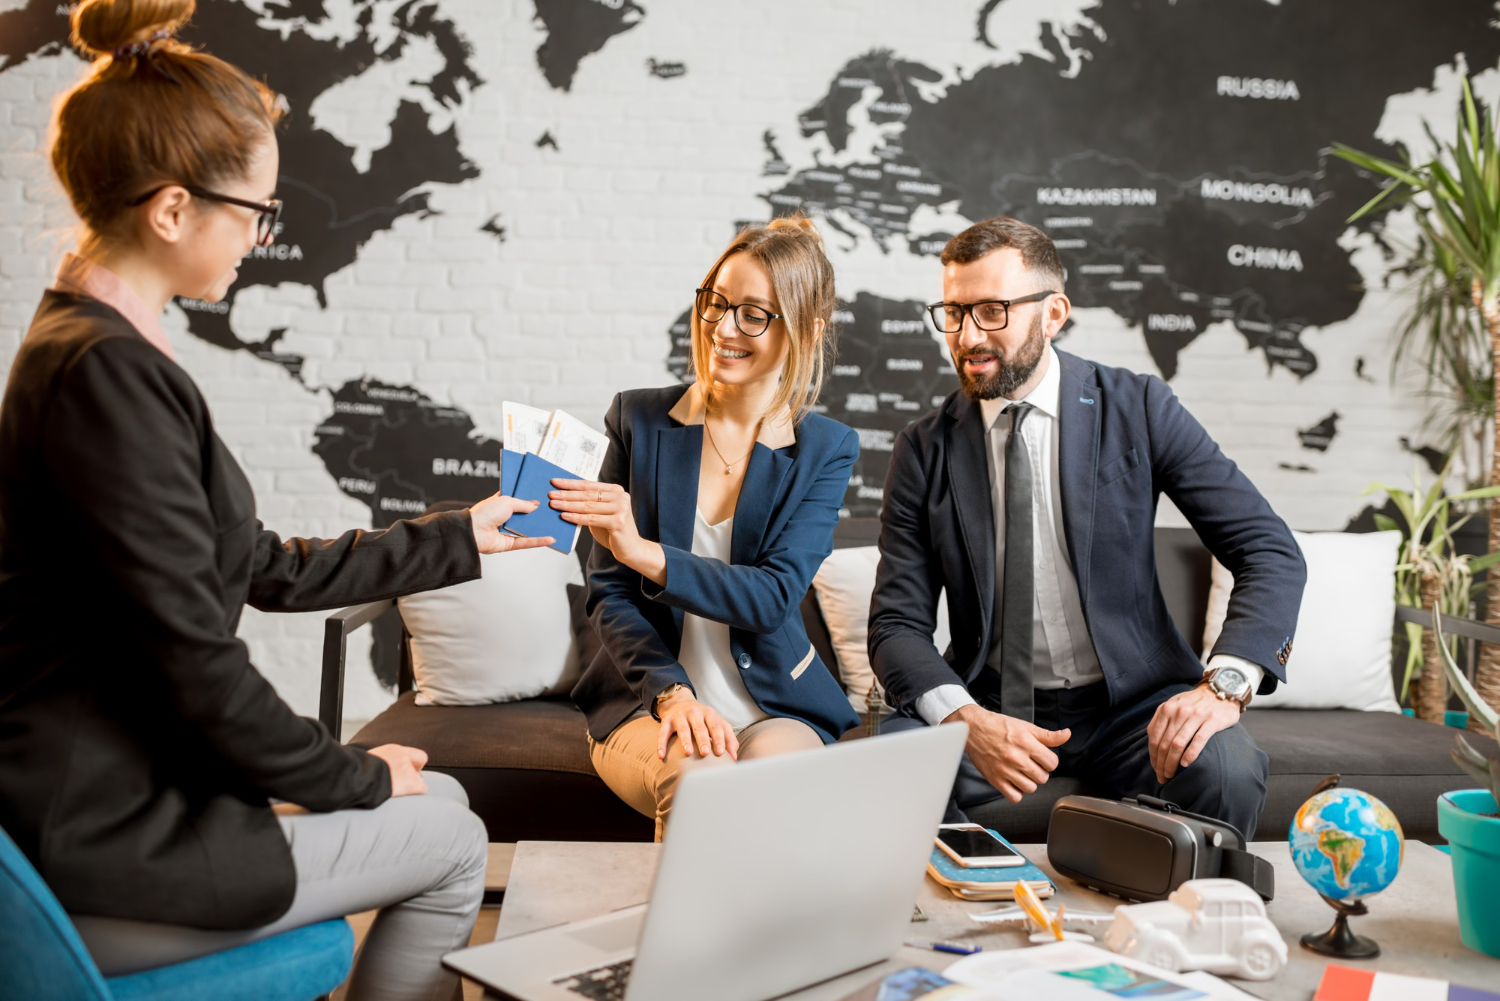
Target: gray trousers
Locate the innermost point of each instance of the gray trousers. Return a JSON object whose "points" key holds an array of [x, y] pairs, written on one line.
{"points": [[420, 859]]}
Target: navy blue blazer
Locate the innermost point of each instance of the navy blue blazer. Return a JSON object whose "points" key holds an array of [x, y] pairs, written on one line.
{"points": [[1124, 441], [783, 530]]}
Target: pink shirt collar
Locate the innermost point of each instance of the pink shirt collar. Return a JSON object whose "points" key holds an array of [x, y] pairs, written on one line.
{"points": [[80, 276]]}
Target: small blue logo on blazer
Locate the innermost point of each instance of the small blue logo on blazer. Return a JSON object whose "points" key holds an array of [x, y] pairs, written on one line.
{"points": [[1085, 399]]}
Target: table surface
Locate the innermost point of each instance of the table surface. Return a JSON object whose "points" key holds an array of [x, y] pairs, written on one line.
{"points": [[1415, 920]]}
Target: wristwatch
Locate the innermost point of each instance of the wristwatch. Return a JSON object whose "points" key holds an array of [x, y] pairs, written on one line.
{"points": [[1229, 684], [666, 693]]}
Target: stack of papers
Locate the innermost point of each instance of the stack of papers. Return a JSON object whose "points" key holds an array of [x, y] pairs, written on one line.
{"points": [[998, 883], [539, 446]]}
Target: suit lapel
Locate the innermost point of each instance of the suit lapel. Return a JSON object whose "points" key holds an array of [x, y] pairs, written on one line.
{"points": [[969, 478], [758, 495], [1079, 407], [678, 450]]}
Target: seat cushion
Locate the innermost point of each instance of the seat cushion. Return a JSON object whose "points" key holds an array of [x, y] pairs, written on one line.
{"points": [[293, 966], [525, 766], [1399, 760]]}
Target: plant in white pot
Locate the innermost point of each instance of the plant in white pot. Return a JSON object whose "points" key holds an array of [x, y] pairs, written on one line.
{"points": [[1470, 818]]}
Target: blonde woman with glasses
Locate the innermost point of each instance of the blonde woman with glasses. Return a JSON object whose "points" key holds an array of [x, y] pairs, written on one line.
{"points": [[715, 507]]}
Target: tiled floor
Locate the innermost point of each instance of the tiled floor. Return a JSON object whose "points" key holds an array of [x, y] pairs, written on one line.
{"points": [[497, 872]]}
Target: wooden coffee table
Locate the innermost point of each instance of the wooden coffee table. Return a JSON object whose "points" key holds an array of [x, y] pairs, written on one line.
{"points": [[1415, 920]]}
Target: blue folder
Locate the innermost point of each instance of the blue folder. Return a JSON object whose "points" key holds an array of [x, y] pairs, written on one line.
{"points": [[533, 481]]}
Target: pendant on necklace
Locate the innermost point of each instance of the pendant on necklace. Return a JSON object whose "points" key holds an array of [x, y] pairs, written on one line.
{"points": [[726, 470]]}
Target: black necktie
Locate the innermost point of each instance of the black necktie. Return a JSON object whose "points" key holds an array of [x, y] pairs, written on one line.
{"points": [[1018, 598]]}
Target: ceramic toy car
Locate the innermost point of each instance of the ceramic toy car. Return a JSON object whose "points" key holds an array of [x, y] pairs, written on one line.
{"points": [[1218, 925]]}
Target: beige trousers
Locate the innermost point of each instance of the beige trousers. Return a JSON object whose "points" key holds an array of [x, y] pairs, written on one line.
{"points": [[627, 762]]}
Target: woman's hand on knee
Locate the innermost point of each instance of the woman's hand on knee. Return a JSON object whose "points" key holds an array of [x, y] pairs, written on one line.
{"points": [[700, 728], [406, 765]]}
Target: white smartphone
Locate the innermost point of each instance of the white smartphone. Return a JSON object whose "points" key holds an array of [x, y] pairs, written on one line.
{"points": [[973, 847]]}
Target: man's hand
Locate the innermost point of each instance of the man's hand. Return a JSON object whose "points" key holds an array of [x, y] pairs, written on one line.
{"points": [[1014, 756], [406, 768], [489, 514], [681, 713], [1181, 728]]}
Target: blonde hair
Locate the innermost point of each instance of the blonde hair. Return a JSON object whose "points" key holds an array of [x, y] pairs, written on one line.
{"points": [[791, 251]]}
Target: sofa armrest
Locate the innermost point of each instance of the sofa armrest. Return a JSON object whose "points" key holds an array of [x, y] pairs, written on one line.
{"points": [[1452, 624], [336, 630]]}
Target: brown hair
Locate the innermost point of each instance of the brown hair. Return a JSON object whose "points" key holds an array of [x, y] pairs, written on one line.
{"points": [[151, 111], [792, 252], [999, 232]]}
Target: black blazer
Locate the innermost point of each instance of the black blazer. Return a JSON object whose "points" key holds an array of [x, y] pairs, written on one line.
{"points": [[783, 531], [138, 745], [1124, 441]]}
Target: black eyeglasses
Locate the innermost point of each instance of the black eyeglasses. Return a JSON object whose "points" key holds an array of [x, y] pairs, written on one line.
{"points": [[752, 320], [992, 314], [265, 227]]}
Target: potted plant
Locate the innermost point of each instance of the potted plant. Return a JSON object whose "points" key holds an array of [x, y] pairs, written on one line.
{"points": [[1431, 574], [1470, 818], [1456, 198]]}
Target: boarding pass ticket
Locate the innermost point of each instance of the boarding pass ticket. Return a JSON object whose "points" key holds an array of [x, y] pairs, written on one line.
{"points": [[525, 427], [574, 446]]}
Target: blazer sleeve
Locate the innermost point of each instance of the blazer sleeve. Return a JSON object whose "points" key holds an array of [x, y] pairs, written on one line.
{"points": [[308, 575], [615, 604], [1237, 525], [908, 583], [123, 445], [758, 598]]}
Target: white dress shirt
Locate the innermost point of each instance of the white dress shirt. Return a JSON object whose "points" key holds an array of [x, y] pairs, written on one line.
{"points": [[1062, 652]]}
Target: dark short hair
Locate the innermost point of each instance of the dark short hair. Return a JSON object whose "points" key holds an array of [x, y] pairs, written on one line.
{"points": [[999, 232]]}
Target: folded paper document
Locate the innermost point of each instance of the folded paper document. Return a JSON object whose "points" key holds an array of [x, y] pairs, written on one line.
{"points": [[564, 448]]}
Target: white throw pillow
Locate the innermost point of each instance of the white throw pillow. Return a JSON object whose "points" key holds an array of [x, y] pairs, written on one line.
{"points": [[504, 637], [1341, 655], [844, 584]]}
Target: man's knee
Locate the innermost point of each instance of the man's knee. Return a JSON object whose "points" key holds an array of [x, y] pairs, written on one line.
{"points": [[445, 786], [1227, 781], [897, 722]]}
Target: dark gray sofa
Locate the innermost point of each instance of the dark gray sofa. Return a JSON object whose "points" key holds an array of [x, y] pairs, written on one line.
{"points": [[526, 768]]}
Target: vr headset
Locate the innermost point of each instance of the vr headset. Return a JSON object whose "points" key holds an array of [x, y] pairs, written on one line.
{"points": [[1144, 848]]}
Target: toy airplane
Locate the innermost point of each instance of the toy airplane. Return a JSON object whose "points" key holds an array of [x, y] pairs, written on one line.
{"points": [[1043, 925]]}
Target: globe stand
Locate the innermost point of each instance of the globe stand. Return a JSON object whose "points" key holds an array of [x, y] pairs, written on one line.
{"points": [[1340, 940]]}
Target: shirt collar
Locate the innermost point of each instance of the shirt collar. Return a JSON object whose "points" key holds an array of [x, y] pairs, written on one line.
{"points": [[778, 431], [81, 276], [1045, 397]]}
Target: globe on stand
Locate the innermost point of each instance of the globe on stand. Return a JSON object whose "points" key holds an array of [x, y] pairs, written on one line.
{"points": [[1348, 845]]}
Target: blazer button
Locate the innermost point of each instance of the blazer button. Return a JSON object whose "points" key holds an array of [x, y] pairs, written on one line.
{"points": [[744, 662]]}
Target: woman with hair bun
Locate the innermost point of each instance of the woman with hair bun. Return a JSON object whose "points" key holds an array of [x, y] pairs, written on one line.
{"points": [[140, 749], [716, 506]]}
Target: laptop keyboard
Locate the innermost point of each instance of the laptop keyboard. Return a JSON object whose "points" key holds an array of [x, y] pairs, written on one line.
{"points": [[604, 983]]}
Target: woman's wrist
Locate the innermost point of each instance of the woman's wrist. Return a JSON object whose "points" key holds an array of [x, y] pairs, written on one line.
{"points": [[646, 558]]}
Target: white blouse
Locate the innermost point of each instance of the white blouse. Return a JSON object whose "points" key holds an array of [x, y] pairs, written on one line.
{"points": [[705, 652]]}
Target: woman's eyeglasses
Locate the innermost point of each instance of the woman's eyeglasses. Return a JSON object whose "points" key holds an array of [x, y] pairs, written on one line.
{"points": [[265, 225], [752, 320]]}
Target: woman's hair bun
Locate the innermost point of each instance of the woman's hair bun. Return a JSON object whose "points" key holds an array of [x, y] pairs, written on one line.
{"points": [[798, 221], [101, 27]]}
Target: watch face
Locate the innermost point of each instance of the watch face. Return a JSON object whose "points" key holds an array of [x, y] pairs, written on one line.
{"points": [[1231, 681]]}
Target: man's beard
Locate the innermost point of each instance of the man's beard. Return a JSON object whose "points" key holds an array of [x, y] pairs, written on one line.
{"points": [[1010, 373]]}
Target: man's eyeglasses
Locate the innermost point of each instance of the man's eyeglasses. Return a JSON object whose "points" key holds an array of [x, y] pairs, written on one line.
{"points": [[265, 226], [991, 315], [752, 320]]}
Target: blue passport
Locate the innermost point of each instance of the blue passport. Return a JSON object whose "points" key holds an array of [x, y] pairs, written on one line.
{"points": [[510, 470], [533, 481]]}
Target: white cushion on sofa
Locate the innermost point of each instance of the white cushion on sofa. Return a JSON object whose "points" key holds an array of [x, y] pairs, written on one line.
{"points": [[1341, 655], [844, 584], [504, 637]]}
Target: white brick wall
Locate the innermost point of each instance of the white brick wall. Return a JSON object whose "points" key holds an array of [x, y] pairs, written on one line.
{"points": [[606, 237]]}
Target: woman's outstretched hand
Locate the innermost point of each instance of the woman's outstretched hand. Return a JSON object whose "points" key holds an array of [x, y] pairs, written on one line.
{"points": [[492, 512], [602, 508]]}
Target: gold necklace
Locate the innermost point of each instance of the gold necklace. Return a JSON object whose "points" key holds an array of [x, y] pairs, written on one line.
{"points": [[729, 466]]}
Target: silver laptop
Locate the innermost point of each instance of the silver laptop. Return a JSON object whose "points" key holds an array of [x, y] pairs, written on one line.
{"points": [[776, 874]]}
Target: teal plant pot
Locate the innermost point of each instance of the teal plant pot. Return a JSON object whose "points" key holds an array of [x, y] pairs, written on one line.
{"points": [[1475, 840]]}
